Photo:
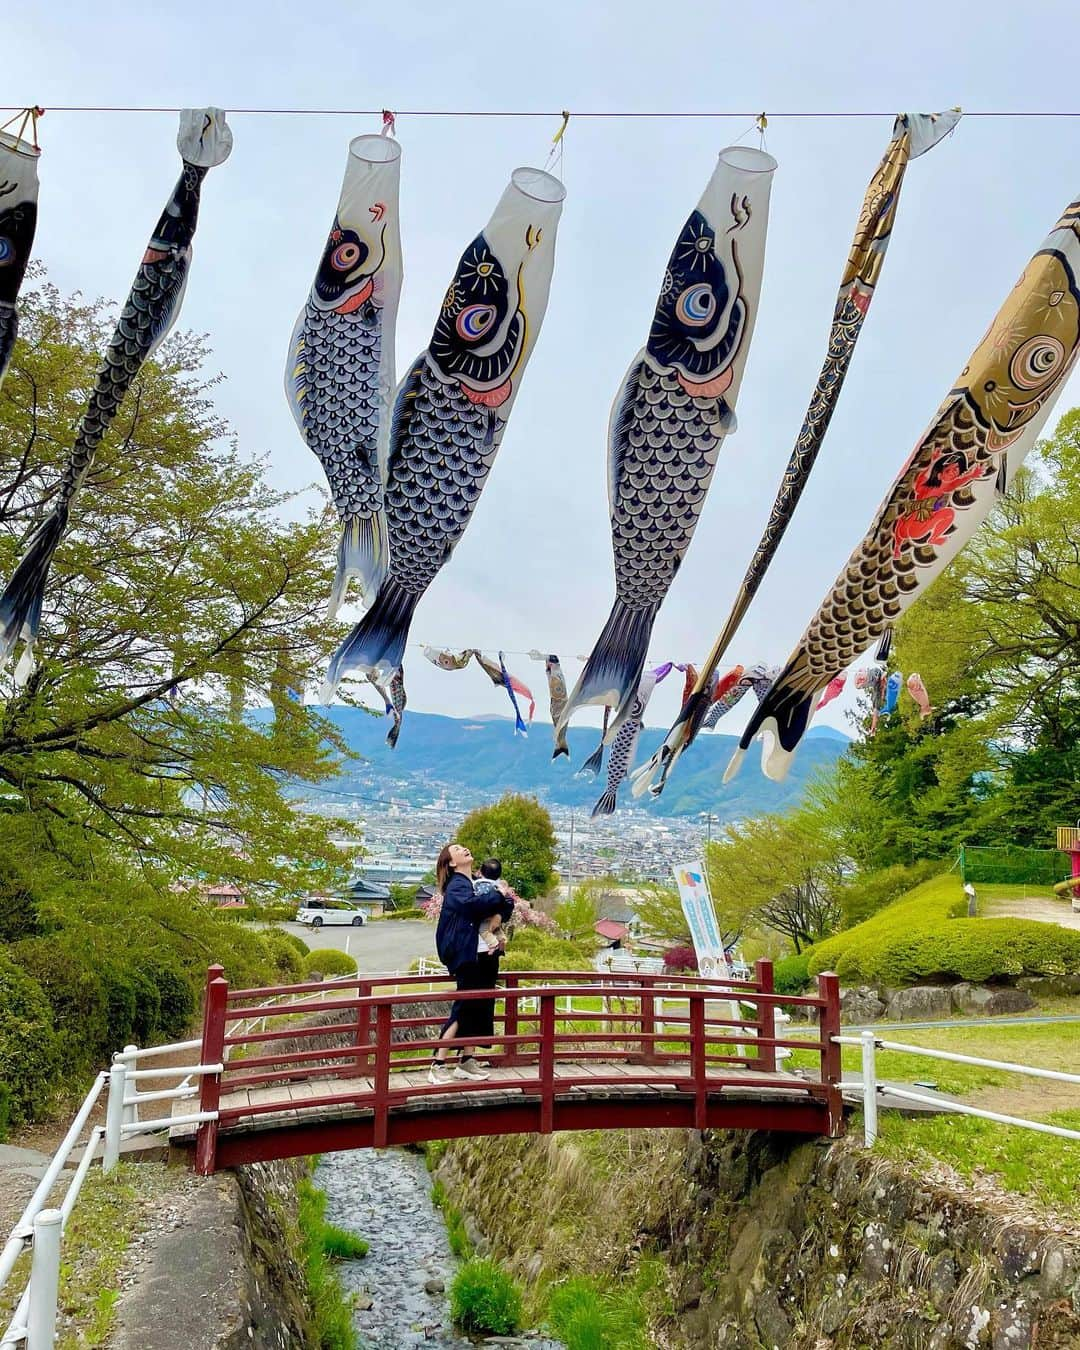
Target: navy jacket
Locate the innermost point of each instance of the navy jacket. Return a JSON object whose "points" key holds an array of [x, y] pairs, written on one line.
{"points": [[457, 936]]}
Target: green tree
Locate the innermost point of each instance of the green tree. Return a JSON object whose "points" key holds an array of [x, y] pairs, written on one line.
{"points": [[585, 905], [995, 640], [518, 831], [180, 595]]}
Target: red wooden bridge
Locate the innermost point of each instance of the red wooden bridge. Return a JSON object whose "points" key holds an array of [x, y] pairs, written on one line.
{"points": [[573, 1051]]}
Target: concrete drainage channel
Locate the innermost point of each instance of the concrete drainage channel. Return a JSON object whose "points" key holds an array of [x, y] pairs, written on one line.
{"points": [[402, 1285]]}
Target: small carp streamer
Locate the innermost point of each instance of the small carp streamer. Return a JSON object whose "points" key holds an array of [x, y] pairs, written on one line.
{"points": [[451, 411], [395, 701], [18, 221], [971, 451], [496, 672], [913, 134], [624, 747], [892, 693], [671, 415], [204, 140], [340, 375]]}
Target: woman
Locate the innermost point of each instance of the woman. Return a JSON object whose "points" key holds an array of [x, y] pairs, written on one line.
{"points": [[457, 941]]}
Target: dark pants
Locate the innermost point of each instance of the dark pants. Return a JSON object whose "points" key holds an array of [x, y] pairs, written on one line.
{"points": [[475, 1016]]}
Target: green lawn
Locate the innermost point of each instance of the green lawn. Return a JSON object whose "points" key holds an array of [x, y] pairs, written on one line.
{"points": [[1041, 1167]]}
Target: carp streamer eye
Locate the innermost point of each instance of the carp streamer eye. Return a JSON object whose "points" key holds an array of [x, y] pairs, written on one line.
{"points": [[485, 269], [1036, 362], [696, 306], [346, 256], [474, 321], [7, 251]]}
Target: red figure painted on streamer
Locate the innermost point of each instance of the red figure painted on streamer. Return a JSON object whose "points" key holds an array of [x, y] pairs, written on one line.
{"points": [[930, 521]]}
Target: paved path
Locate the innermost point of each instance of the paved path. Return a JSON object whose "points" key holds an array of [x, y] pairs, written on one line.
{"points": [[1060, 912]]}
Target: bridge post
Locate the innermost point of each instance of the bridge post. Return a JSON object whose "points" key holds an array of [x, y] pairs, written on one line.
{"points": [[547, 1063], [510, 1020], [363, 1035], [44, 1280], [212, 1052], [698, 1063], [380, 1127], [766, 1018], [829, 1026]]}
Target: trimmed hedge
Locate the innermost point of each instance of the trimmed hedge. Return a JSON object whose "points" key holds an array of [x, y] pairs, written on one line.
{"points": [[923, 937], [865, 895], [328, 961]]}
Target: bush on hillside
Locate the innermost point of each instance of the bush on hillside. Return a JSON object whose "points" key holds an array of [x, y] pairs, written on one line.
{"points": [[791, 975], [962, 949], [329, 962], [870, 892], [29, 1050], [288, 962], [935, 901]]}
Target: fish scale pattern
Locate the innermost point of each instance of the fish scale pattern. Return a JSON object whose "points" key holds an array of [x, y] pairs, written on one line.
{"points": [[668, 443], [440, 462], [147, 314], [338, 358]]}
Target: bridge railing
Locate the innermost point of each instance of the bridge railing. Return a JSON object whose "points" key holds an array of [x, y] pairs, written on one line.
{"points": [[370, 1049]]}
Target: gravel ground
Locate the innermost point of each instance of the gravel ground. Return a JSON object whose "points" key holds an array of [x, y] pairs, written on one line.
{"points": [[384, 1196]]}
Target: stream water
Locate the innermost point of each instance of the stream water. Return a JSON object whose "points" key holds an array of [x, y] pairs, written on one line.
{"points": [[384, 1196]]}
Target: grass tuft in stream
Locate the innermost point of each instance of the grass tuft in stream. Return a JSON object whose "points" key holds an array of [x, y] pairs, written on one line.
{"points": [[484, 1299]]}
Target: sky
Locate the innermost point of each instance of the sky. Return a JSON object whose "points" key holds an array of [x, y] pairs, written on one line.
{"points": [[534, 569]]}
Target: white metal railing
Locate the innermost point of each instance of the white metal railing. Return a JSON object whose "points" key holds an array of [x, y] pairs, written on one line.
{"points": [[40, 1227], [870, 1088]]}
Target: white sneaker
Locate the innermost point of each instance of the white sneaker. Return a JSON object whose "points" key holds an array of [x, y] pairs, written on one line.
{"points": [[440, 1073], [468, 1068]]}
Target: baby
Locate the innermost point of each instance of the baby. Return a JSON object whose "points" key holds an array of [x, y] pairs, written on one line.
{"points": [[485, 883]]}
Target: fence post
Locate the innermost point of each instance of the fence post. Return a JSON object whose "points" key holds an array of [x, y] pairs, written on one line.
{"points": [[766, 1018], [44, 1280], [510, 1020], [698, 1064], [114, 1117], [829, 1027], [131, 1113], [380, 1128], [547, 1063], [212, 1052], [869, 1082]]}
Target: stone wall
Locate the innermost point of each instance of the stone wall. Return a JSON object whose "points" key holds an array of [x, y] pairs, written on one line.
{"points": [[772, 1242], [277, 1311]]}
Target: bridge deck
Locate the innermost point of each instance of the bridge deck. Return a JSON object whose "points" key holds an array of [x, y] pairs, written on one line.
{"points": [[290, 1119]]}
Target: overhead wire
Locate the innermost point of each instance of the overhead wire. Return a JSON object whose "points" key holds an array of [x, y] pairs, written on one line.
{"points": [[628, 114]]}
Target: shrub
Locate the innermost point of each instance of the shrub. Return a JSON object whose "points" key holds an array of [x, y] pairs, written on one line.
{"points": [[484, 1299], [328, 961], [176, 995], [792, 974], [288, 962], [922, 937], [534, 949], [680, 958], [29, 1050], [294, 940]]}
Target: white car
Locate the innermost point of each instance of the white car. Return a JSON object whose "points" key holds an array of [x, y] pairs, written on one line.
{"points": [[318, 912]]}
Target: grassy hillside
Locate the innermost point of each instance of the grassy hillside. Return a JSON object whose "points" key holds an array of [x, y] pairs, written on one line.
{"points": [[922, 936]]}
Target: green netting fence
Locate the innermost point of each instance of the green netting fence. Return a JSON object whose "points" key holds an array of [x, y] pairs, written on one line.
{"points": [[1017, 866]]}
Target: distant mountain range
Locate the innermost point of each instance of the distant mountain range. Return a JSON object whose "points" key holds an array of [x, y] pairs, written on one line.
{"points": [[481, 755]]}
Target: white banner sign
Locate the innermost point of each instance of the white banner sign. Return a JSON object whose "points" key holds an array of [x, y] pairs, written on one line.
{"points": [[697, 906]]}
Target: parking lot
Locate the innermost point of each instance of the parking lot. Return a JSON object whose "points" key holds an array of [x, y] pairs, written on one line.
{"points": [[380, 946]]}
